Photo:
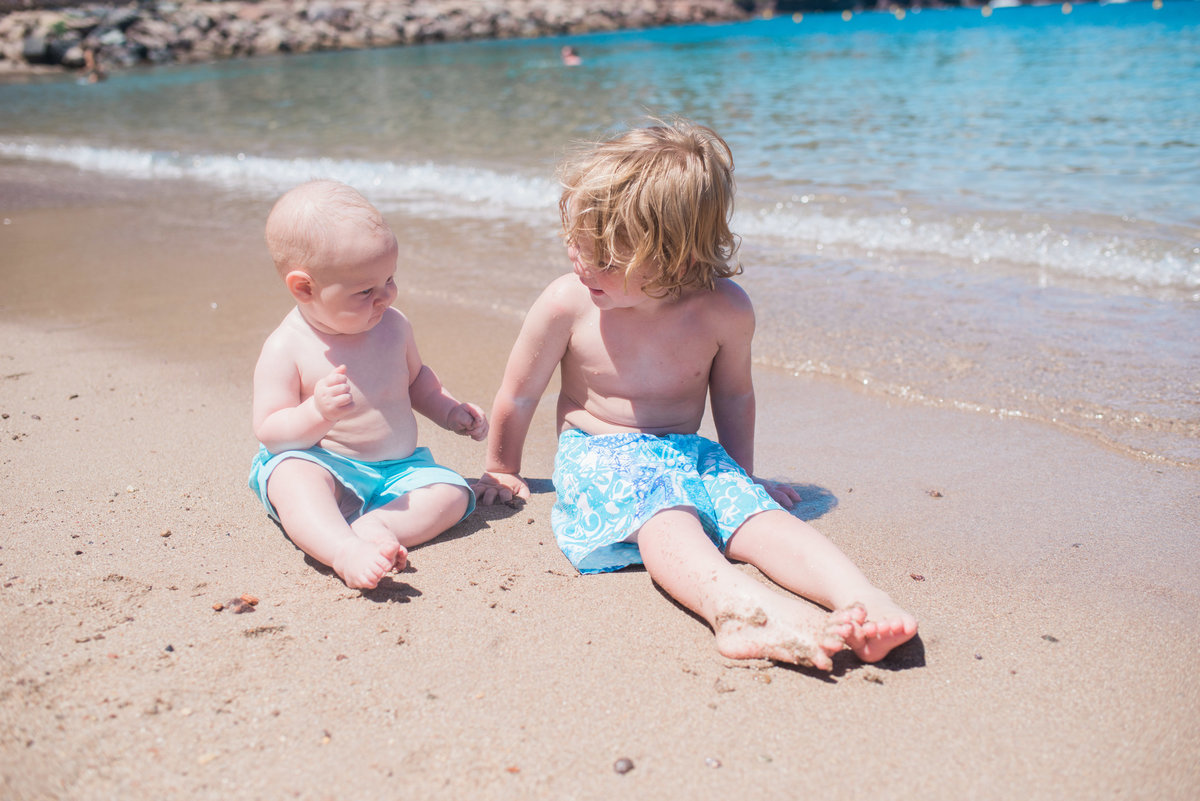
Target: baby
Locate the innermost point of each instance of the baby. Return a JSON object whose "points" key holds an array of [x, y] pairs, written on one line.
{"points": [[335, 389], [645, 328]]}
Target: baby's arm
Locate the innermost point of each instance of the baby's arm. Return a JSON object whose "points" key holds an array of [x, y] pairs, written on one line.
{"points": [[538, 350], [731, 390], [282, 421], [429, 397]]}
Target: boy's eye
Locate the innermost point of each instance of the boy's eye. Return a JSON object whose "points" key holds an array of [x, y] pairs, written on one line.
{"points": [[366, 292]]}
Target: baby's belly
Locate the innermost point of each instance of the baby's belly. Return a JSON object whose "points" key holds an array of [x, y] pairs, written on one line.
{"points": [[372, 439]]}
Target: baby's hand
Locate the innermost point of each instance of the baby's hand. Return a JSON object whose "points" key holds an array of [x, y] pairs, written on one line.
{"points": [[783, 494], [493, 488], [469, 420], [332, 395]]}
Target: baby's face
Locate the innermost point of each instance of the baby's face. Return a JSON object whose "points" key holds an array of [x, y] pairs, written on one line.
{"points": [[352, 294]]}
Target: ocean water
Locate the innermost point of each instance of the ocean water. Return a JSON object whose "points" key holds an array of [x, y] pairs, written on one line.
{"points": [[997, 213]]}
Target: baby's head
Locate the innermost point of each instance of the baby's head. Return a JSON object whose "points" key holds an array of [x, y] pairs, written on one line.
{"points": [[320, 226], [336, 255], [658, 200]]}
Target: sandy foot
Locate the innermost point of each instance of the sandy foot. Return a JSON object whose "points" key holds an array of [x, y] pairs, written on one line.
{"points": [[790, 632], [362, 563]]}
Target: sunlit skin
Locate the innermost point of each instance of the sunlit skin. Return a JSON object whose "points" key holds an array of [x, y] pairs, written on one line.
{"points": [[632, 362], [342, 371]]}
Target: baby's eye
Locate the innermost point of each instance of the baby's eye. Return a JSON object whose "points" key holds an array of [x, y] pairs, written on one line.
{"points": [[366, 292]]}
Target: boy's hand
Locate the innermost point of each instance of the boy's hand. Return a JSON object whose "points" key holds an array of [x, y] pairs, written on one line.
{"points": [[783, 494], [469, 420], [332, 395], [493, 488]]}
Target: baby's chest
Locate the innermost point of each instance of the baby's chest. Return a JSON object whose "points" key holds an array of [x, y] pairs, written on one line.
{"points": [[373, 377]]}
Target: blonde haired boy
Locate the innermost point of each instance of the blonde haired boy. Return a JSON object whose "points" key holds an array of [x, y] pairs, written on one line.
{"points": [[645, 329], [335, 390]]}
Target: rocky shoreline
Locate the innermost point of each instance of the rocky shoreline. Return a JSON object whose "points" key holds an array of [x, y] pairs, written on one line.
{"points": [[189, 31]]}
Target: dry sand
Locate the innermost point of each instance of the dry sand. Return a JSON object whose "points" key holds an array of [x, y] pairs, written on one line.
{"points": [[1057, 583]]}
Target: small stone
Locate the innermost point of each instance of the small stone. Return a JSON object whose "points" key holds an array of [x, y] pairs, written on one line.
{"points": [[1049, 638], [916, 577], [239, 607], [712, 762], [166, 532], [623, 765], [170, 649]]}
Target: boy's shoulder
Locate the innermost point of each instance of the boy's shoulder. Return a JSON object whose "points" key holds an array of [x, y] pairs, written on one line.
{"points": [[725, 299], [565, 296]]}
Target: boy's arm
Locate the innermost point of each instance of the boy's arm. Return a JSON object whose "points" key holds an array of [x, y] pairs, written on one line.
{"points": [[538, 350], [430, 398], [731, 390], [730, 383], [282, 421]]}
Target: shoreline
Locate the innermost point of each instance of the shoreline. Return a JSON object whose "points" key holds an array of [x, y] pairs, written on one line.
{"points": [[57, 40], [54, 38], [1056, 582]]}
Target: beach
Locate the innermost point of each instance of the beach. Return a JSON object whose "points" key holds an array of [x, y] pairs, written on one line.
{"points": [[1057, 582]]}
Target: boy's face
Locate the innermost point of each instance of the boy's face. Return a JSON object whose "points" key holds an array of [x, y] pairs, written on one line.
{"points": [[609, 286], [351, 294]]}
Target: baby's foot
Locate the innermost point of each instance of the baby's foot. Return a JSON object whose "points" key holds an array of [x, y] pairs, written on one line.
{"points": [[362, 563], [886, 626], [785, 631]]}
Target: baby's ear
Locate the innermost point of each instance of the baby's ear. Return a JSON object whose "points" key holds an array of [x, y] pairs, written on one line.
{"points": [[300, 284]]}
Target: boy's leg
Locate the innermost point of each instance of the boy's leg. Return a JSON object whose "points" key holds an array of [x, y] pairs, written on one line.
{"points": [[416, 517], [305, 496], [797, 556], [749, 620]]}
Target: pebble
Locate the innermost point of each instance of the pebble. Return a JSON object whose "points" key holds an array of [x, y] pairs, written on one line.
{"points": [[623, 765]]}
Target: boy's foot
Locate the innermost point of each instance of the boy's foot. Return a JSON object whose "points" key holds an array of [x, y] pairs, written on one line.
{"points": [[787, 631], [886, 626], [362, 563]]}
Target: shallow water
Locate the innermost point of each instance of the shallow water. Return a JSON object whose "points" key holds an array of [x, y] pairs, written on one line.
{"points": [[994, 213]]}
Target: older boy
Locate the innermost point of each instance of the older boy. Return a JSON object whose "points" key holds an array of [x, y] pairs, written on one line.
{"points": [[646, 327], [334, 394]]}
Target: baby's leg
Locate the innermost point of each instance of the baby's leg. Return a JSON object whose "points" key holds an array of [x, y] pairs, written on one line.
{"points": [[750, 620], [305, 496], [797, 556], [415, 517]]}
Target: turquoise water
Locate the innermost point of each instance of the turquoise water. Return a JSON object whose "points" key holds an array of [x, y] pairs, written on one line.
{"points": [[997, 213]]}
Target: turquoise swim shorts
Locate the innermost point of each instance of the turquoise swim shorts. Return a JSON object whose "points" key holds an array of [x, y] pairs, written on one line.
{"points": [[375, 484], [609, 485]]}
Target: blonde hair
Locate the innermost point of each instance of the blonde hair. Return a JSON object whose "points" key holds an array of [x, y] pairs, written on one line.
{"points": [[659, 196], [303, 223]]}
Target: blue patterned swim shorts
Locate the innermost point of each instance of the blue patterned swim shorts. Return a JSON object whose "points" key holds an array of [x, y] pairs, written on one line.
{"points": [[375, 484], [609, 485]]}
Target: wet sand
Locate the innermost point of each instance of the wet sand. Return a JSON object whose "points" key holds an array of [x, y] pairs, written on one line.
{"points": [[1057, 583]]}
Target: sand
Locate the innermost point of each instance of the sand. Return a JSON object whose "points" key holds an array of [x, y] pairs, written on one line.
{"points": [[1057, 583]]}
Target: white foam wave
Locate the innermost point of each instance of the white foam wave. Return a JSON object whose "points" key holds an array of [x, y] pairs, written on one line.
{"points": [[436, 190], [1045, 251]]}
